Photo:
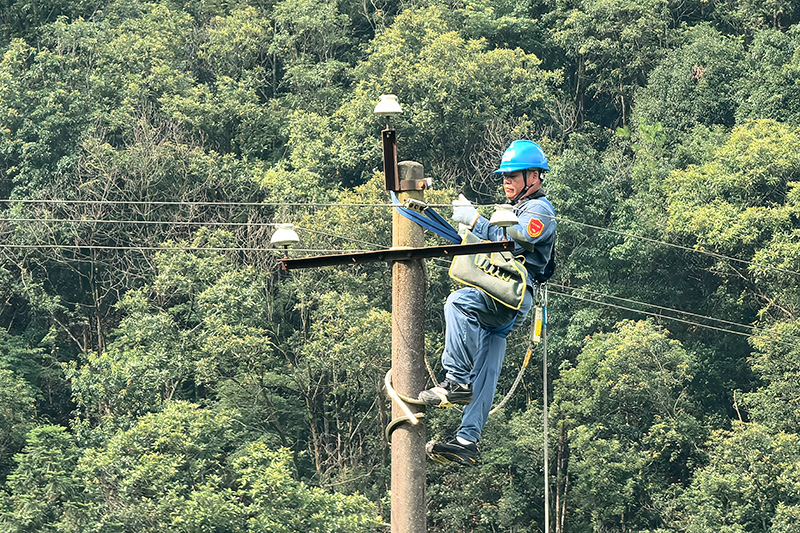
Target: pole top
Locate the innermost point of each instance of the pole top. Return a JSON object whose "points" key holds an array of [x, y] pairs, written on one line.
{"points": [[411, 176]]}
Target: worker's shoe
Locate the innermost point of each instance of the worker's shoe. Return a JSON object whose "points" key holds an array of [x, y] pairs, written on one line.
{"points": [[453, 452], [447, 394]]}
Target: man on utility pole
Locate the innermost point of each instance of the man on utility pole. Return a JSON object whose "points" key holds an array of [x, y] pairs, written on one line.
{"points": [[477, 323]]}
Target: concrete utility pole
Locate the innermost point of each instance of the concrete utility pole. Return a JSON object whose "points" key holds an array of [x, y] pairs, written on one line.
{"points": [[409, 510]]}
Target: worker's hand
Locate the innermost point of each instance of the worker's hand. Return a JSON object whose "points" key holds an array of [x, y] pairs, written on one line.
{"points": [[464, 212]]}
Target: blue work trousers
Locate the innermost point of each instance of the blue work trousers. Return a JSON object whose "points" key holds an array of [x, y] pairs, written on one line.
{"points": [[475, 345]]}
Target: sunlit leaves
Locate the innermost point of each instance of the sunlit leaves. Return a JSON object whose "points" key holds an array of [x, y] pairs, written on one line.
{"points": [[752, 479], [776, 404], [739, 196]]}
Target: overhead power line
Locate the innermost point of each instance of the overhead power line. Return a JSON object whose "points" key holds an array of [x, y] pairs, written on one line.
{"points": [[666, 317], [573, 296], [141, 222], [678, 246], [194, 223], [359, 205], [178, 203], [671, 310], [167, 248], [657, 315]]}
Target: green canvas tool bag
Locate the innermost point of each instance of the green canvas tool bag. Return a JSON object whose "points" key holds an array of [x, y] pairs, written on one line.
{"points": [[498, 274]]}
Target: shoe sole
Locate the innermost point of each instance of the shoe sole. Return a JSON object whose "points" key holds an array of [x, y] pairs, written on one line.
{"points": [[451, 458], [447, 458]]}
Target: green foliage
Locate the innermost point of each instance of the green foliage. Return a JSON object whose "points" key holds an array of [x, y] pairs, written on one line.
{"points": [[311, 46], [236, 44], [44, 115], [737, 201], [750, 483], [773, 78], [182, 469], [505, 491], [506, 24], [450, 84], [26, 18], [44, 487], [612, 45], [16, 415], [777, 362], [630, 417], [746, 17], [201, 324], [278, 503], [694, 84], [671, 130]]}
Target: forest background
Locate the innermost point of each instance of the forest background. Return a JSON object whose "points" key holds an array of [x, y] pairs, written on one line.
{"points": [[157, 372]]}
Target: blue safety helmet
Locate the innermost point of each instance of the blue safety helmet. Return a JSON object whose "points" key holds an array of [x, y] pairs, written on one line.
{"points": [[522, 155]]}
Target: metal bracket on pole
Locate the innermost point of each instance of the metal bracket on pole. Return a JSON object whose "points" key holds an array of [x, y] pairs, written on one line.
{"points": [[390, 159], [417, 205]]}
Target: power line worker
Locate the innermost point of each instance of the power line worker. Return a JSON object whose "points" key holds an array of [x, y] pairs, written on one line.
{"points": [[476, 324]]}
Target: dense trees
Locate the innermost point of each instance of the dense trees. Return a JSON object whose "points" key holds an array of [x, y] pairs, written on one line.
{"points": [[157, 373]]}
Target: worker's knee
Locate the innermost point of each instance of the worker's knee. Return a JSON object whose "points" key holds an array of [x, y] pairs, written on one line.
{"points": [[470, 302]]}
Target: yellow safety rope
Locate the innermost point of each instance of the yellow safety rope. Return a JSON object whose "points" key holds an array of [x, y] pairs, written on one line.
{"points": [[534, 339], [402, 401]]}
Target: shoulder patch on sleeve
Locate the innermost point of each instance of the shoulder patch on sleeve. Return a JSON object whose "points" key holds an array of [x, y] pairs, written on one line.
{"points": [[535, 227]]}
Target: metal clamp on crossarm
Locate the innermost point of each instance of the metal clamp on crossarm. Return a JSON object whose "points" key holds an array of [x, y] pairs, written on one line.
{"points": [[417, 205], [427, 217]]}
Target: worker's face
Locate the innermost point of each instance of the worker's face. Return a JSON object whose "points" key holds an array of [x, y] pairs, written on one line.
{"points": [[514, 182]]}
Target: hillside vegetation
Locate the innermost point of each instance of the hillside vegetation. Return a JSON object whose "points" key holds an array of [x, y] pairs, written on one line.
{"points": [[159, 373]]}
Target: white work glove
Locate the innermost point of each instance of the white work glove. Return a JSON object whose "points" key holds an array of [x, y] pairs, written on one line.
{"points": [[464, 212]]}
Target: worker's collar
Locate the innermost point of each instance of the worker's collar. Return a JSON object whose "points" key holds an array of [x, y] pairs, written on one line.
{"points": [[538, 194]]}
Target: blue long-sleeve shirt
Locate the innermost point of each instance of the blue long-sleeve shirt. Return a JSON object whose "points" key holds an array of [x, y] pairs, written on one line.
{"points": [[534, 234]]}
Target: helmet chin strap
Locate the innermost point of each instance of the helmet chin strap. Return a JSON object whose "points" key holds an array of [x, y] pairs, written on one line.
{"points": [[525, 189]]}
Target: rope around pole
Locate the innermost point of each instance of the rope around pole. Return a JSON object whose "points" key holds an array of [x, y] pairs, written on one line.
{"points": [[402, 401]]}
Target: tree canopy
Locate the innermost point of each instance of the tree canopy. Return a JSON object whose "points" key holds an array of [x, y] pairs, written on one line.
{"points": [[158, 372]]}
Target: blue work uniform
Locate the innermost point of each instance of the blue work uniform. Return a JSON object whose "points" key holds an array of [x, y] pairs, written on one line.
{"points": [[477, 325]]}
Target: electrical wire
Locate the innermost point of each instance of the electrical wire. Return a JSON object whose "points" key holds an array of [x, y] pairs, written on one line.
{"points": [[168, 248], [679, 246], [318, 204], [359, 241], [657, 315], [660, 307], [189, 203], [378, 246], [276, 250], [190, 223], [141, 222]]}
